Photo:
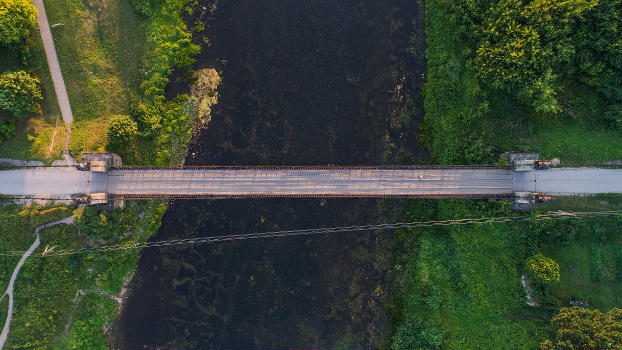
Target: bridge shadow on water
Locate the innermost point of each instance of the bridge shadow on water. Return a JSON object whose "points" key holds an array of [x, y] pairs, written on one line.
{"points": [[304, 83]]}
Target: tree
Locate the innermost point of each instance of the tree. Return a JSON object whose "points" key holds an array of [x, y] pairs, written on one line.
{"points": [[17, 19], [542, 269], [19, 93], [524, 44], [582, 329], [121, 129], [96, 224]]}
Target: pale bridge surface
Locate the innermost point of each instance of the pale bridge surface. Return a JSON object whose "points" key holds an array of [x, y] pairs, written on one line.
{"points": [[62, 182], [310, 182]]}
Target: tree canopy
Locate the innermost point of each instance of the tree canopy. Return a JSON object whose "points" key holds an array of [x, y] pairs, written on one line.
{"points": [[19, 93], [96, 224], [17, 19], [542, 269], [524, 42], [576, 328], [534, 49], [121, 129]]}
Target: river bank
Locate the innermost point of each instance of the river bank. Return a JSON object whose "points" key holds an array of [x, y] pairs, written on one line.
{"points": [[306, 83]]}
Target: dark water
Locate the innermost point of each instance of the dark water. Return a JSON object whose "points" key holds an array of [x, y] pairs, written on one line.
{"points": [[304, 82]]}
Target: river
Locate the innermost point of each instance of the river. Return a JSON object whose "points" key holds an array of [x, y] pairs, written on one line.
{"points": [[304, 82]]}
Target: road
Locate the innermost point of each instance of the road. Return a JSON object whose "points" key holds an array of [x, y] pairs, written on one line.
{"points": [[310, 183], [62, 182], [50, 53], [569, 181], [50, 182], [9, 289]]}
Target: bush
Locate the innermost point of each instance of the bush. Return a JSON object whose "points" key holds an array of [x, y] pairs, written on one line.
{"points": [[19, 93], [96, 224], [121, 129], [7, 129], [415, 333], [542, 269], [145, 7], [17, 19]]}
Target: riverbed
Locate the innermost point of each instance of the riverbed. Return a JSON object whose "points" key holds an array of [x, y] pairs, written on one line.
{"points": [[304, 83]]}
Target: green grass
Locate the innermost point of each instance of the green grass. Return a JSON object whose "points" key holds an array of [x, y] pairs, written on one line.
{"points": [[591, 266], [99, 54], [576, 146], [467, 278]]}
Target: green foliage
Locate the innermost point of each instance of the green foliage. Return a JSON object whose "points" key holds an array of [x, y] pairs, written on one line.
{"points": [[121, 129], [19, 93], [7, 129], [416, 334], [453, 99], [451, 276], [542, 269], [52, 293], [146, 7], [165, 125], [169, 45], [476, 108], [605, 262], [578, 328], [96, 224], [95, 310], [598, 42], [17, 19], [522, 46]]}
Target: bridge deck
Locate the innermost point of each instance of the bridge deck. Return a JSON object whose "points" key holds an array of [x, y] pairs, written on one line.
{"points": [[62, 182], [310, 182]]}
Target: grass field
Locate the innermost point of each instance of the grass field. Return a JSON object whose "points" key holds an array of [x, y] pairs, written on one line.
{"points": [[100, 49]]}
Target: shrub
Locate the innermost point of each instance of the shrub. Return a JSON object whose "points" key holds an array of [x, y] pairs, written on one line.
{"points": [[145, 7], [19, 93], [7, 129], [542, 269], [415, 333], [121, 129], [17, 19], [96, 224]]}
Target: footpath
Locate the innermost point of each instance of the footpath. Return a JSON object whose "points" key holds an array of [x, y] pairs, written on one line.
{"points": [[57, 75], [9, 290]]}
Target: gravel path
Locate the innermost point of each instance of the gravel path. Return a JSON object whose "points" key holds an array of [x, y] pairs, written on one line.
{"points": [[9, 290], [50, 53]]}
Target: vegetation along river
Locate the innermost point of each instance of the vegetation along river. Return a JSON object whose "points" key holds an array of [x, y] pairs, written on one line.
{"points": [[303, 82]]}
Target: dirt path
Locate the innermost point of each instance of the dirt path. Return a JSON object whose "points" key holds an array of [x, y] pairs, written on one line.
{"points": [[50, 53], [9, 290]]}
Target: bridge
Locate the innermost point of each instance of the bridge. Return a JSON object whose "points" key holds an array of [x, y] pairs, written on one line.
{"points": [[291, 181]]}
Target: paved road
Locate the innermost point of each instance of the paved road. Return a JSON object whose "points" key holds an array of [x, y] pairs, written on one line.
{"points": [[335, 182], [569, 181], [61, 182], [50, 53], [50, 182], [9, 289]]}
